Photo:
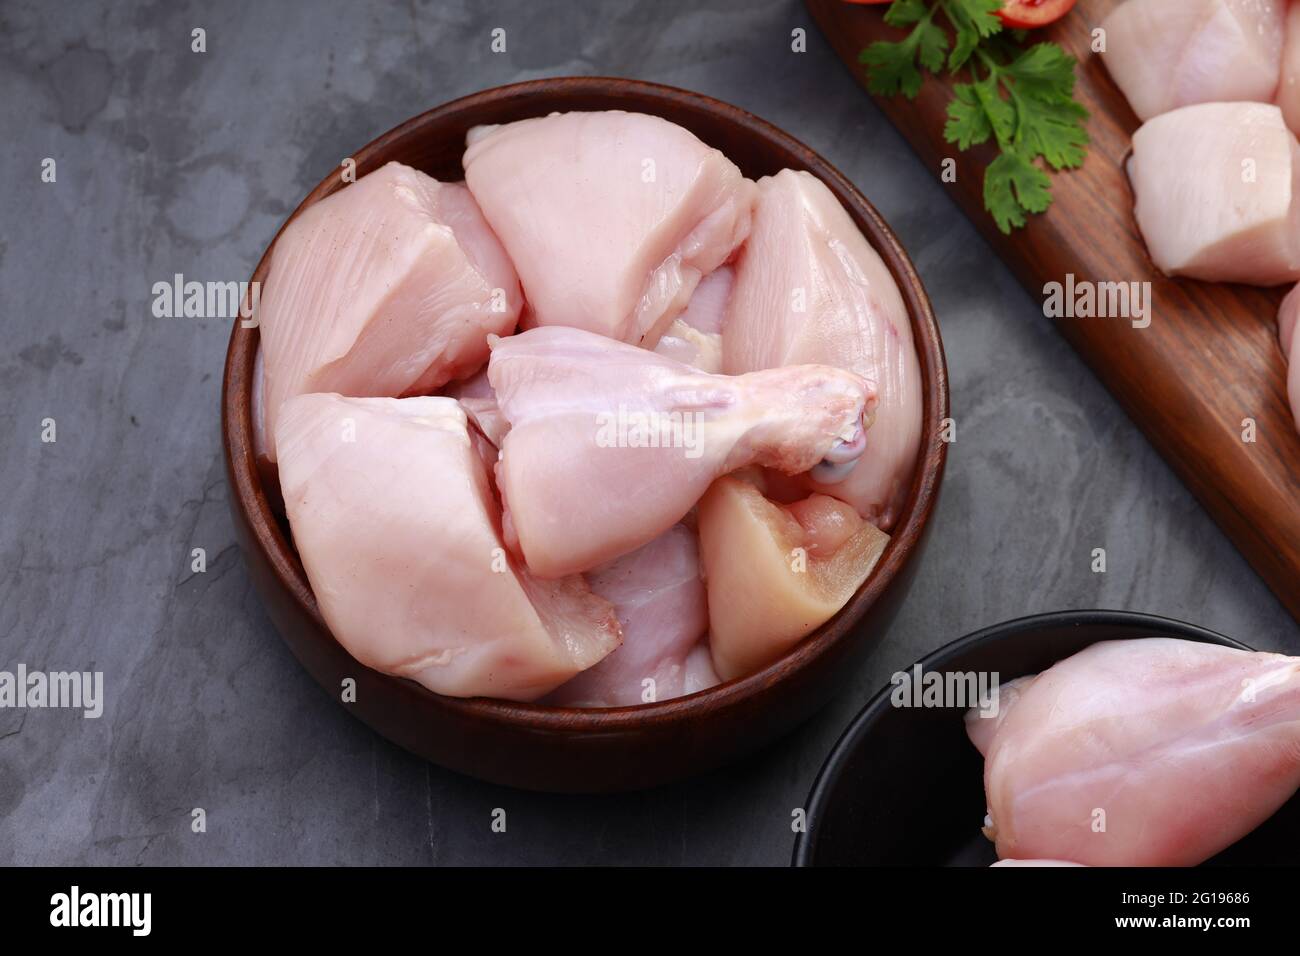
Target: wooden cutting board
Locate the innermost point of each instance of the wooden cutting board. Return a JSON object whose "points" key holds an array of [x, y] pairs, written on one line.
{"points": [[1210, 357]]}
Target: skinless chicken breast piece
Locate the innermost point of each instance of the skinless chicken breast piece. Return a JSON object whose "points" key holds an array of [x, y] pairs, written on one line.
{"points": [[1216, 188], [1288, 333], [695, 337], [388, 287], [611, 218], [659, 597], [399, 532], [810, 289], [1185, 747], [1288, 87], [1164, 54]]}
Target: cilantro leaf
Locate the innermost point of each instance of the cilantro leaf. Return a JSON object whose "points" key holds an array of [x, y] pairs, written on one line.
{"points": [[904, 13], [980, 15], [1013, 185], [1049, 121], [1002, 113], [972, 21], [965, 44], [932, 45], [1021, 97], [968, 122], [978, 111], [1045, 69], [1054, 131], [891, 69]]}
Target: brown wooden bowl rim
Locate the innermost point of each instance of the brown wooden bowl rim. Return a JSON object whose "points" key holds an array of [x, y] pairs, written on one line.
{"points": [[251, 499]]}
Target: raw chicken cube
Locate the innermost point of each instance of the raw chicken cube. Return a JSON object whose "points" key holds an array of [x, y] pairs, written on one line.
{"points": [[688, 345], [257, 404], [695, 337], [1035, 863], [1178, 748], [611, 218], [1216, 187], [1287, 315], [480, 404], [659, 597], [811, 290], [399, 533], [1164, 54], [707, 310], [611, 445], [1288, 329], [776, 573], [388, 287], [1288, 87]]}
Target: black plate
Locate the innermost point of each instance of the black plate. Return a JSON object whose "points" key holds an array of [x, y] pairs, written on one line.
{"points": [[904, 785]]}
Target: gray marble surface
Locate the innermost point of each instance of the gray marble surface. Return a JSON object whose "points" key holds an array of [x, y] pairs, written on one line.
{"points": [[169, 161]]}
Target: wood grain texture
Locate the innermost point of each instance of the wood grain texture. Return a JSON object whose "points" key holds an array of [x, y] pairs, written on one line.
{"points": [[1210, 357], [592, 750]]}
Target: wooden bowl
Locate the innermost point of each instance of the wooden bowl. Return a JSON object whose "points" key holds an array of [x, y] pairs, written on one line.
{"points": [[562, 749], [904, 786]]}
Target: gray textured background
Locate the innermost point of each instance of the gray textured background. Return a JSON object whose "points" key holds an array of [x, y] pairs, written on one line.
{"points": [[170, 161]]}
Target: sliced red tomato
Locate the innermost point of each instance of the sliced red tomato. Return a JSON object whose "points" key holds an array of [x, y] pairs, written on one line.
{"points": [[1028, 14]]}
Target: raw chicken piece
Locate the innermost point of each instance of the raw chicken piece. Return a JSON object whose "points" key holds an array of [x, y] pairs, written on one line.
{"points": [[776, 573], [811, 290], [482, 131], [397, 528], [1035, 863], [1288, 88], [695, 337], [480, 403], [707, 310], [388, 287], [1288, 335], [1287, 315], [610, 445], [982, 730], [263, 448], [611, 218], [1164, 54], [658, 595], [697, 672], [1184, 747], [1216, 188], [686, 344], [257, 403]]}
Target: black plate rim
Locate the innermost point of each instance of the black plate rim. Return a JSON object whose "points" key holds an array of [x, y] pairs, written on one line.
{"points": [[831, 769]]}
